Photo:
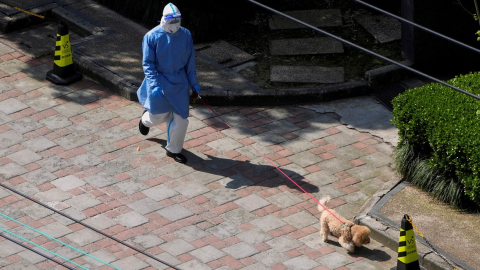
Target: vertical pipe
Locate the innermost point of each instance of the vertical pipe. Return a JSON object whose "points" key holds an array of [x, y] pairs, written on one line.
{"points": [[478, 13]]}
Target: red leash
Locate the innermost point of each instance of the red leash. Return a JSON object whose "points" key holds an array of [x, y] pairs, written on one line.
{"points": [[344, 224]]}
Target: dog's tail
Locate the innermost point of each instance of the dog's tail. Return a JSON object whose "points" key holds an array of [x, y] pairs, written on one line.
{"points": [[323, 201]]}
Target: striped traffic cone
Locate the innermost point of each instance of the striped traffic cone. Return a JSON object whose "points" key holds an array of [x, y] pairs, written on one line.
{"points": [[407, 249], [64, 72]]}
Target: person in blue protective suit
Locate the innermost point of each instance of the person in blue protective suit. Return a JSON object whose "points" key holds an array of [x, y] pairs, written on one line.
{"points": [[170, 73]]}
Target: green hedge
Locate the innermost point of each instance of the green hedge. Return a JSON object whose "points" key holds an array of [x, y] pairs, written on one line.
{"points": [[207, 20], [439, 146]]}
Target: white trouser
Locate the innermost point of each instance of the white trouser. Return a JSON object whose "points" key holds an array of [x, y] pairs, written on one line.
{"points": [[176, 128]]}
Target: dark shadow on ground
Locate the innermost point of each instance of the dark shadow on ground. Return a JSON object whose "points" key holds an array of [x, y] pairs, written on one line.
{"points": [[371, 254], [363, 251], [243, 173]]}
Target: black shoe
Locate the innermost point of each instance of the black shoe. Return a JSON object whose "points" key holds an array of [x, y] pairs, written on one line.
{"points": [[143, 129], [177, 157]]}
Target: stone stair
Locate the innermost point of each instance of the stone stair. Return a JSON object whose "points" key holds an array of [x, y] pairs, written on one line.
{"points": [[306, 46], [289, 41]]}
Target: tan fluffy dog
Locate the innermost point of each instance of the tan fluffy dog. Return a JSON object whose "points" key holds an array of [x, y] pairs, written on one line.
{"points": [[349, 236]]}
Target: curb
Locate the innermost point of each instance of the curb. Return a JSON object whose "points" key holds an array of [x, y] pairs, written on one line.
{"points": [[105, 77], [387, 75], [249, 97], [387, 232]]}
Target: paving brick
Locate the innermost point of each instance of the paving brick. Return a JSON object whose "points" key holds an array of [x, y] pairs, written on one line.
{"points": [[13, 66], [25, 125], [240, 250], [100, 222], [103, 255], [268, 223], [175, 212], [334, 260], [377, 159], [284, 199], [53, 195], [341, 139], [305, 159], [145, 206], [191, 190], [4, 49], [86, 160], [160, 192], [24, 157], [271, 258], [130, 186], [177, 247], [301, 220], [235, 182], [84, 237], [69, 182], [191, 233], [148, 240], [39, 144], [55, 229], [301, 262], [8, 248], [207, 254], [131, 219], [176, 170], [12, 105], [224, 230], [252, 202], [27, 84], [281, 127], [348, 153], [82, 202], [130, 263], [39, 176]]}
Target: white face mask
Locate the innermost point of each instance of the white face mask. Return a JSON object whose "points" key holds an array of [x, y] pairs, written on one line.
{"points": [[171, 27]]}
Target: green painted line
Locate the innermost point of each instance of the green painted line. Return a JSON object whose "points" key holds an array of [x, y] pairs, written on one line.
{"points": [[60, 256], [65, 244]]}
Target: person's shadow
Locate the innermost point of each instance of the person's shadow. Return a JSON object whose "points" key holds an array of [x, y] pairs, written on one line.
{"points": [[243, 173]]}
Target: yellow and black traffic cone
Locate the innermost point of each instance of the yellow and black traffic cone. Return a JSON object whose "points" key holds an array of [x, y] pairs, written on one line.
{"points": [[64, 72], [407, 248]]}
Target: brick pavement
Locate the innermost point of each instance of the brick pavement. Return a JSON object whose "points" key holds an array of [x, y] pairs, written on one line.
{"points": [[77, 149]]}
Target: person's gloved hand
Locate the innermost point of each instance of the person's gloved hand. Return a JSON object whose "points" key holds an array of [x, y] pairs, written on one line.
{"points": [[194, 95], [157, 92], [196, 89]]}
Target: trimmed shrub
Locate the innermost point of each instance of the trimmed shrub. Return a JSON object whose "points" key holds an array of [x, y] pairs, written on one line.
{"points": [[206, 20], [439, 148]]}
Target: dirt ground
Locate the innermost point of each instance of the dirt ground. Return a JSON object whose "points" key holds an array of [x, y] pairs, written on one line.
{"points": [[454, 231]]}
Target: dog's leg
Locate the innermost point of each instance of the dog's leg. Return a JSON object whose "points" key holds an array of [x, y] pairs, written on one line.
{"points": [[348, 245], [324, 231]]}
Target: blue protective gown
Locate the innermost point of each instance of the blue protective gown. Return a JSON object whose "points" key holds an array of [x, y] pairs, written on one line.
{"points": [[168, 63]]}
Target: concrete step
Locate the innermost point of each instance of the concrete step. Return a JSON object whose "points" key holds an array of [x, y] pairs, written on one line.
{"points": [[307, 74], [299, 46], [382, 27], [225, 53], [315, 17]]}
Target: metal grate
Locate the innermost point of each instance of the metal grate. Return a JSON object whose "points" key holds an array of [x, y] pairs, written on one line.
{"points": [[387, 94]]}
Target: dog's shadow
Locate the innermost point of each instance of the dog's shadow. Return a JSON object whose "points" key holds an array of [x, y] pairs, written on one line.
{"points": [[243, 173], [372, 254]]}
